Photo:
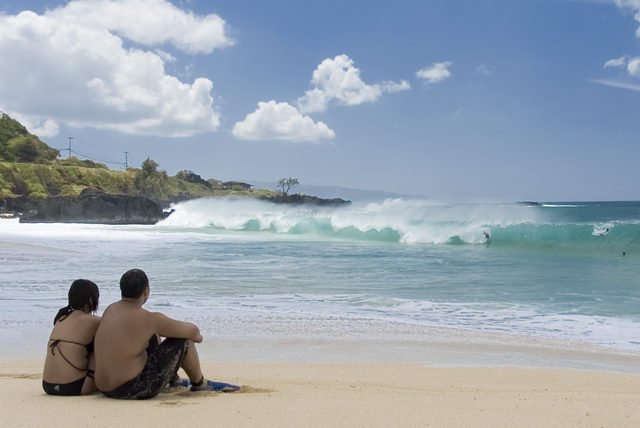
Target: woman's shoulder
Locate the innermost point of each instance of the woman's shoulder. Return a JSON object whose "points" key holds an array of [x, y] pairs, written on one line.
{"points": [[88, 319]]}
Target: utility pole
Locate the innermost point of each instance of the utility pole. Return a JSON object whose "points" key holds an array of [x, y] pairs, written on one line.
{"points": [[69, 138], [126, 161]]}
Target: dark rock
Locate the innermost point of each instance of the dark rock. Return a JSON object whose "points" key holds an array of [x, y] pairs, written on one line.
{"points": [[301, 199], [530, 203], [15, 206], [92, 206], [91, 191]]}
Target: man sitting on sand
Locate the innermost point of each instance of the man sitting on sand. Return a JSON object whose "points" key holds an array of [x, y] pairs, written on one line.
{"points": [[131, 362]]}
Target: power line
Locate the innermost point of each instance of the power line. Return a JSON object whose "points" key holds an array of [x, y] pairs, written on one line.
{"points": [[69, 155], [98, 160], [71, 151]]}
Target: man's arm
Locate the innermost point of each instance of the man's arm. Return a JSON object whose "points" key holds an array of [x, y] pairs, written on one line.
{"points": [[168, 327]]}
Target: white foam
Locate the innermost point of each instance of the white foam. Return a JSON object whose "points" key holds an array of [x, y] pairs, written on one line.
{"points": [[602, 229], [415, 221]]}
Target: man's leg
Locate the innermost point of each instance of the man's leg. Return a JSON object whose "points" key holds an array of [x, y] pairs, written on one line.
{"points": [[191, 364]]}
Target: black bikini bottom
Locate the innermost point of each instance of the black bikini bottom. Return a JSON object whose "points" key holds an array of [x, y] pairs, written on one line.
{"points": [[71, 388]]}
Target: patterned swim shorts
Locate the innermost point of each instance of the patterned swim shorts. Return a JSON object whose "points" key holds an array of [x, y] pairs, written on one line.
{"points": [[163, 362]]}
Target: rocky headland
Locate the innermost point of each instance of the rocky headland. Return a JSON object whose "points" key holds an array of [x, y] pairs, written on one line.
{"points": [[91, 206], [302, 199]]}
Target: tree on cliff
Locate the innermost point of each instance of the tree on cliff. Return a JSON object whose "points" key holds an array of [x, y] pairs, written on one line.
{"points": [[150, 181], [191, 177], [286, 184]]}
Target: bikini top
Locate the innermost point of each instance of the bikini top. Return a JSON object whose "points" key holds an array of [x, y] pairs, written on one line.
{"points": [[55, 345]]}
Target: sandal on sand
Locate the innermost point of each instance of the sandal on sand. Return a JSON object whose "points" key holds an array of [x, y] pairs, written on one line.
{"points": [[210, 385], [178, 382]]}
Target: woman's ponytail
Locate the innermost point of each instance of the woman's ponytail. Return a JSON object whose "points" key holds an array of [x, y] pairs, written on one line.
{"points": [[63, 313]]}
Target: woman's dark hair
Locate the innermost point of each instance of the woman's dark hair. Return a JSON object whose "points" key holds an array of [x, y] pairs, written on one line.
{"points": [[133, 283], [82, 292]]}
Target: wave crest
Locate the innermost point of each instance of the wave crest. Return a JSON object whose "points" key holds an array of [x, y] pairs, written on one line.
{"points": [[392, 220]]}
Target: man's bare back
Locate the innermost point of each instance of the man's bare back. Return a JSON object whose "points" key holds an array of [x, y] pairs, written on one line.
{"points": [[128, 357], [121, 343]]}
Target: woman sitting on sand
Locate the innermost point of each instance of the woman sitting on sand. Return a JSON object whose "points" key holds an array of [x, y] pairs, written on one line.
{"points": [[68, 368]]}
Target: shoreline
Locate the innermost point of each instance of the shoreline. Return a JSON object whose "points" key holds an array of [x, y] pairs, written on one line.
{"points": [[367, 342], [372, 395]]}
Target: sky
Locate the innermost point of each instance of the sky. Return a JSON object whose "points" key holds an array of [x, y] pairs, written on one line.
{"points": [[456, 100]]}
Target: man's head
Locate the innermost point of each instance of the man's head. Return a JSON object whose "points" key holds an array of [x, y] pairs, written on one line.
{"points": [[133, 283]]}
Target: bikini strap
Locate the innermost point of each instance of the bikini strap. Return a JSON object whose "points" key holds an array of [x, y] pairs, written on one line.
{"points": [[55, 343]]}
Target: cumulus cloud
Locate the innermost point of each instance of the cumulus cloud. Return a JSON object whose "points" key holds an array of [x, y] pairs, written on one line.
{"points": [[633, 5], [280, 121], [41, 128], [616, 62], [337, 79], [436, 72], [631, 64], [148, 22], [98, 63]]}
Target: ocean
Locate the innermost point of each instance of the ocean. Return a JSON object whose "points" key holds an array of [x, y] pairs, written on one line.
{"points": [[554, 284]]}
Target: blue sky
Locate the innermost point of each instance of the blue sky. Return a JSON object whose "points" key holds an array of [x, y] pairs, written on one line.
{"points": [[454, 100]]}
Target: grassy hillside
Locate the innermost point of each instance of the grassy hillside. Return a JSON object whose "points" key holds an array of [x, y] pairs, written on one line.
{"points": [[42, 180], [29, 167], [17, 145]]}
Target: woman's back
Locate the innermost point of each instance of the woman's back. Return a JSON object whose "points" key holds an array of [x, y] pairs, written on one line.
{"points": [[70, 353]]}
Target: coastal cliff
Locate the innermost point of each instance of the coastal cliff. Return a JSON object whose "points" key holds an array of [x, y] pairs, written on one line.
{"points": [[92, 206], [38, 186]]}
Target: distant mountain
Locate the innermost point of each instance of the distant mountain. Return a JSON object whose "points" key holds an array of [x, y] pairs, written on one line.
{"points": [[355, 195]]}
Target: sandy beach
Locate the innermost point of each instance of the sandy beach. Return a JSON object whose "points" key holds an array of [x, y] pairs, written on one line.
{"points": [[351, 395]]}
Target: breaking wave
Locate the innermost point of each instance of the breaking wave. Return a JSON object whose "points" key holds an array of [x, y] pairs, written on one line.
{"points": [[417, 221]]}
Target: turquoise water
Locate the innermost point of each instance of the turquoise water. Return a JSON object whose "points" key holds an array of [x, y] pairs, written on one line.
{"points": [[271, 272]]}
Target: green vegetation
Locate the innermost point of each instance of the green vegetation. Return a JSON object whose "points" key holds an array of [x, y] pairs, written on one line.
{"points": [[17, 145], [192, 177], [29, 167], [150, 182], [42, 180]]}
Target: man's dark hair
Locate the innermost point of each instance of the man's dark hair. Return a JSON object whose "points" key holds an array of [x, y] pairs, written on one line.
{"points": [[133, 283]]}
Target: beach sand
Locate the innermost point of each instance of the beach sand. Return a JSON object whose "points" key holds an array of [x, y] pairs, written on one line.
{"points": [[349, 395]]}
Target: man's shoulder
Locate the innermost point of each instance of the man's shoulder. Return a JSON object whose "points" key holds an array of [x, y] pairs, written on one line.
{"points": [[121, 309]]}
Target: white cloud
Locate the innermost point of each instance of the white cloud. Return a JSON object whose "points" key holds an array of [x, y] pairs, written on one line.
{"points": [[617, 84], [41, 128], [632, 64], [148, 22], [635, 6], [280, 121], [337, 79], [633, 67], [616, 62], [70, 65], [166, 56], [435, 73]]}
